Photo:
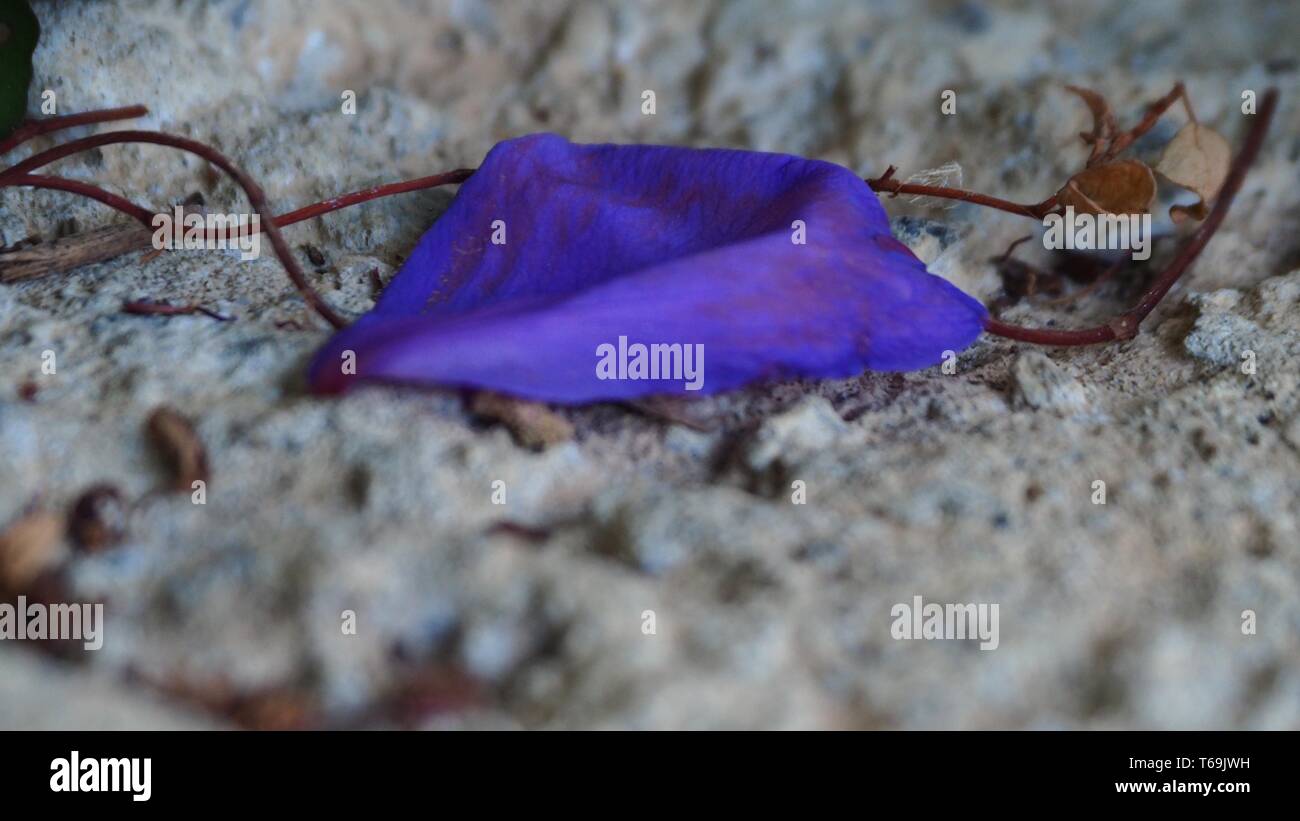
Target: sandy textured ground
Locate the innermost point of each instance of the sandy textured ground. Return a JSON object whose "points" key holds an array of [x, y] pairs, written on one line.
{"points": [[970, 487]]}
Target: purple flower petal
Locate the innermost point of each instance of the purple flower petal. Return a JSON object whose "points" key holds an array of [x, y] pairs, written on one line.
{"points": [[654, 245]]}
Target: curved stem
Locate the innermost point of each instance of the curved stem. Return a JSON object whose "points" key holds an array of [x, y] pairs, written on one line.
{"points": [[145, 216], [35, 128], [1125, 326], [104, 250], [142, 215], [254, 193]]}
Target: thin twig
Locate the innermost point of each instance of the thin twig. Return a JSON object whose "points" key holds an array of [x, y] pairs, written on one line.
{"points": [[366, 194], [1153, 113], [887, 184], [66, 253]]}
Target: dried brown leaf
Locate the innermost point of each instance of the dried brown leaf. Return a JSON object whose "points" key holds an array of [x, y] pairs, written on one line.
{"points": [[180, 445], [1120, 187], [1197, 158], [30, 546]]}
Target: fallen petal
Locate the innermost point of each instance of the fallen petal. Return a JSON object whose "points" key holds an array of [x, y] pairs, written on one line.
{"points": [[555, 256]]}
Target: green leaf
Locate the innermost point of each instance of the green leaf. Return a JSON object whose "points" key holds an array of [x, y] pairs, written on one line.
{"points": [[19, 31]]}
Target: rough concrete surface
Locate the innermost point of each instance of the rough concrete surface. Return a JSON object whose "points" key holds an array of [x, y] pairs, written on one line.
{"points": [[975, 486]]}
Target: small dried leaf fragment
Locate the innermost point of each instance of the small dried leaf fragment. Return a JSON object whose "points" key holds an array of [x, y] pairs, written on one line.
{"points": [[1103, 119], [1197, 158], [533, 424], [30, 546], [175, 437], [1120, 187]]}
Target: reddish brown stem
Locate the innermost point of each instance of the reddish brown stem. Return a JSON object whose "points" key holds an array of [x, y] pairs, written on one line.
{"points": [[307, 212], [366, 194], [1125, 326], [35, 128], [1154, 112], [142, 215], [254, 193], [886, 183], [106, 243]]}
